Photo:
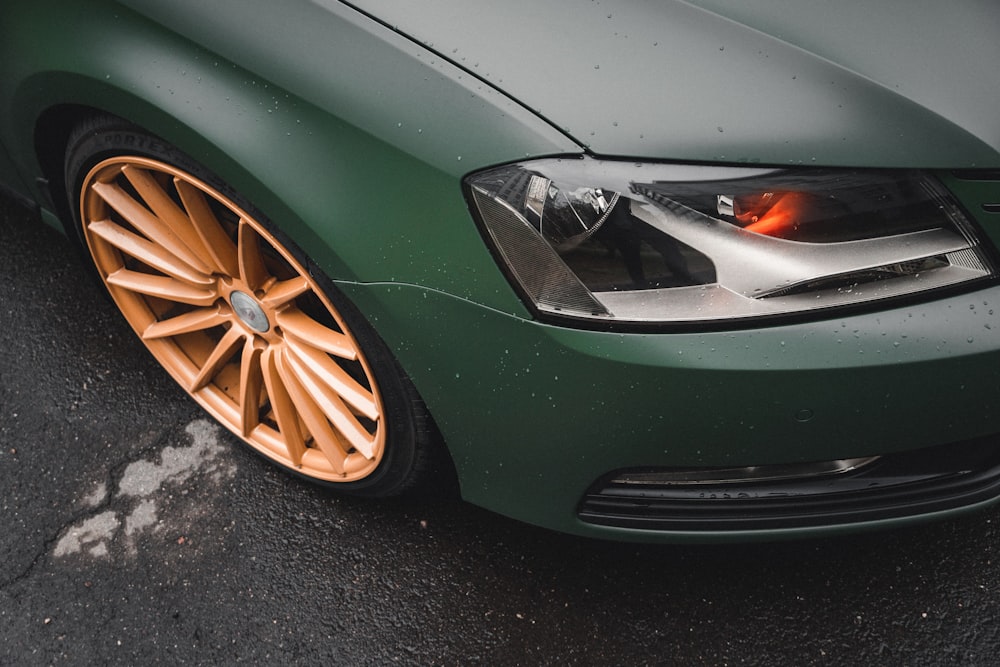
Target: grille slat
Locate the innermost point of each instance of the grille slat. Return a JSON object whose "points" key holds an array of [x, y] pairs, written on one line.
{"points": [[898, 485]]}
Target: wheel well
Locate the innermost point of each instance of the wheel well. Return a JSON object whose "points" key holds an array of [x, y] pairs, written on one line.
{"points": [[52, 132]]}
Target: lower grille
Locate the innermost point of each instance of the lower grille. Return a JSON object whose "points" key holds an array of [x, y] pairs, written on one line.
{"points": [[895, 485]]}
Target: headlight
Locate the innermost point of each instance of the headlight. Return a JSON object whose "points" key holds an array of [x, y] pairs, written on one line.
{"points": [[634, 242]]}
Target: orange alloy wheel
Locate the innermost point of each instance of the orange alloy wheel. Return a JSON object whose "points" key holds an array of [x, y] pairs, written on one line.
{"points": [[234, 317]]}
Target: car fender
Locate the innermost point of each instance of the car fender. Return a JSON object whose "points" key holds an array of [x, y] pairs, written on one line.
{"points": [[359, 164]]}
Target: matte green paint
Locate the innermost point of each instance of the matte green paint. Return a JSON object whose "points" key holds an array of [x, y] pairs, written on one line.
{"points": [[367, 75], [827, 82], [347, 134], [364, 208], [533, 414], [941, 56]]}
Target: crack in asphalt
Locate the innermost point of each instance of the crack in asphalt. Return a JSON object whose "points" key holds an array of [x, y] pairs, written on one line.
{"points": [[93, 505]]}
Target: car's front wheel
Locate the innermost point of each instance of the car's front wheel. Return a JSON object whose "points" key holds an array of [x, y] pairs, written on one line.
{"points": [[240, 317]]}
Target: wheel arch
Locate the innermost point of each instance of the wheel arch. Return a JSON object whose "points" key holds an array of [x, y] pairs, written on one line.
{"points": [[54, 125], [51, 138]]}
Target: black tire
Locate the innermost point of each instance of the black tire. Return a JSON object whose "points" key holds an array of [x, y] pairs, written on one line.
{"points": [[240, 316]]}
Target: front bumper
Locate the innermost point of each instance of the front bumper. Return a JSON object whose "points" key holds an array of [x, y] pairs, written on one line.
{"points": [[535, 414]]}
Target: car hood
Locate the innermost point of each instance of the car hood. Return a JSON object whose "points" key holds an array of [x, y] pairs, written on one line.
{"points": [[907, 83]]}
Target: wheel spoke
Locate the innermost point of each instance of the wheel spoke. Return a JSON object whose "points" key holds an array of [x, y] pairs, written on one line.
{"points": [[323, 435], [153, 255], [217, 360], [282, 292], [106, 256], [163, 287], [336, 378], [164, 208], [194, 320], [329, 402], [284, 409], [217, 243], [148, 224], [252, 269], [309, 331], [251, 383]]}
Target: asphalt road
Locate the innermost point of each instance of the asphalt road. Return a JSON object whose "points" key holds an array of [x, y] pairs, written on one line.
{"points": [[136, 532]]}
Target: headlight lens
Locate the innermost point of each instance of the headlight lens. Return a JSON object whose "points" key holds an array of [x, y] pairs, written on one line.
{"points": [[679, 243]]}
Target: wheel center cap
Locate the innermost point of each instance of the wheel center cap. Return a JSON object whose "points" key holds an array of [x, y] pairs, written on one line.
{"points": [[249, 311]]}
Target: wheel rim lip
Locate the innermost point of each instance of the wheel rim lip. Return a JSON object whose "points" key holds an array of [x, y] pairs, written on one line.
{"points": [[178, 362]]}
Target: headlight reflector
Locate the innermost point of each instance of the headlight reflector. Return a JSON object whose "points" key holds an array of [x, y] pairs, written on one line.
{"points": [[679, 243]]}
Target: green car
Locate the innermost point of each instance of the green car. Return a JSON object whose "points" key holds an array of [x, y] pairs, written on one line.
{"points": [[650, 271]]}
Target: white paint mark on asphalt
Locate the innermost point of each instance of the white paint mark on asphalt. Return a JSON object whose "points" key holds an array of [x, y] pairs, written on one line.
{"points": [[97, 496], [143, 516], [89, 535], [177, 464], [141, 482]]}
